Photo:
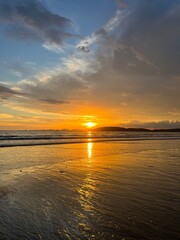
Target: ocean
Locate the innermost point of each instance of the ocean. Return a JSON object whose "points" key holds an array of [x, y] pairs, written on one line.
{"points": [[42, 137], [89, 185]]}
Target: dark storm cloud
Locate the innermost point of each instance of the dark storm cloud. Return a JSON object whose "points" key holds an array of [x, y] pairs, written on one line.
{"points": [[30, 19]]}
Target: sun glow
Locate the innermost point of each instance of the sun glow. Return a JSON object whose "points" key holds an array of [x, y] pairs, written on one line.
{"points": [[90, 124]]}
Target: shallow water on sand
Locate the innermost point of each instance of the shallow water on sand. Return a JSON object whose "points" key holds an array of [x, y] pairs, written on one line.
{"points": [[111, 190]]}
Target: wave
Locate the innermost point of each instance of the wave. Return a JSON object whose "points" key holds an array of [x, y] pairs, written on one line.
{"points": [[32, 138], [81, 140]]}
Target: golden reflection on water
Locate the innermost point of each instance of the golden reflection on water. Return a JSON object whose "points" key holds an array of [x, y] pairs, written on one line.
{"points": [[89, 134], [89, 148]]}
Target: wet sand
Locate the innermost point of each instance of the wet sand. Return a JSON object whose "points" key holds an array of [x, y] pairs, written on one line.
{"points": [[112, 190]]}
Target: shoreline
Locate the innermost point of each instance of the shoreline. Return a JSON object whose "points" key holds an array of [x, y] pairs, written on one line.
{"points": [[92, 141]]}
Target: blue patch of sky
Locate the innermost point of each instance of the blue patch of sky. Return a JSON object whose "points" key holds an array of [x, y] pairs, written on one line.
{"points": [[26, 51], [87, 15]]}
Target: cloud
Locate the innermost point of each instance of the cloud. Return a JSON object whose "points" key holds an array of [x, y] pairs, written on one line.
{"points": [[31, 20], [6, 92], [84, 48], [116, 21], [130, 65], [53, 101], [152, 125], [107, 35], [152, 30], [53, 47], [19, 68], [142, 39], [64, 84], [19, 96], [61, 85], [136, 58]]}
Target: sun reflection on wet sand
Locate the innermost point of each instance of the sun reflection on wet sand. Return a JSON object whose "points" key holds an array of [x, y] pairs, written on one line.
{"points": [[92, 190], [86, 191]]}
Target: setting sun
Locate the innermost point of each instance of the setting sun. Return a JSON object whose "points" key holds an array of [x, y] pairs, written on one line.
{"points": [[90, 124]]}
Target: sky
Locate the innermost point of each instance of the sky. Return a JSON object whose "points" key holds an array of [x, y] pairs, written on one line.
{"points": [[64, 63]]}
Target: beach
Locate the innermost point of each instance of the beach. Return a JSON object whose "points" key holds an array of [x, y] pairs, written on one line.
{"points": [[94, 190], [89, 120]]}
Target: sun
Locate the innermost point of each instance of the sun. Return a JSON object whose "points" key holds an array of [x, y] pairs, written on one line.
{"points": [[90, 124]]}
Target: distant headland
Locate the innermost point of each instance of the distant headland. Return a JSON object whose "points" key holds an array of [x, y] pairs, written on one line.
{"points": [[136, 129]]}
